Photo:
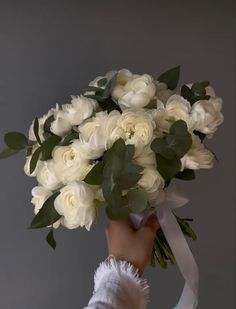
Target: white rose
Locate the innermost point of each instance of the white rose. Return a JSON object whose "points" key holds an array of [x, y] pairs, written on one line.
{"points": [[198, 156], [151, 180], [96, 134], [133, 90], [75, 204], [60, 126], [146, 157], [136, 127], [207, 115], [40, 195], [27, 164], [163, 93], [68, 164], [161, 118], [47, 178], [178, 108], [80, 109]]}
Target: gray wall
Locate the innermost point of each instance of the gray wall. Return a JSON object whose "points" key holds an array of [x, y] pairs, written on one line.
{"points": [[52, 49]]}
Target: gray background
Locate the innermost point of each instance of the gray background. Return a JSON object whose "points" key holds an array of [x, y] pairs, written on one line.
{"points": [[52, 49]]}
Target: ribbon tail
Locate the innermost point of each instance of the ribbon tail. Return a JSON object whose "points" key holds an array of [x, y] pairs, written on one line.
{"points": [[183, 255]]}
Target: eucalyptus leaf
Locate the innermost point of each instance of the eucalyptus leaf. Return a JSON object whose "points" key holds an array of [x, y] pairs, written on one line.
{"points": [[170, 77], [16, 140], [200, 135], [186, 174], [48, 146], [69, 138], [36, 130], [94, 177], [8, 153], [47, 124], [137, 200], [129, 175], [34, 159], [179, 127], [109, 86], [50, 239], [102, 82], [167, 168], [121, 213], [179, 143], [188, 94], [47, 215]]}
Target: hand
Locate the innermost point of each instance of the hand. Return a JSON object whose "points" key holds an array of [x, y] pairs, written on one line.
{"points": [[134, 246]]}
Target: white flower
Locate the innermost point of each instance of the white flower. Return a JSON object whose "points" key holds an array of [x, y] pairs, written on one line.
{"points": [[27, 164], [207, 115], [68, 164], [47, 178], [146, 157], [60, 126], [133, 90], [163, 93], [198, 156], [178, 108], [75, 204], [136, 127], [96, 134], [40, 195], [151, 181], [78, 110]]}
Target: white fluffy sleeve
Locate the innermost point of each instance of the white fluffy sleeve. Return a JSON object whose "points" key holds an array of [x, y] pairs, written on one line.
{"points": [[117, 285]]}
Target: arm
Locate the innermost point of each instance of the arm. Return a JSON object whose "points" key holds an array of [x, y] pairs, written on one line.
{"points": [[117, 281]]}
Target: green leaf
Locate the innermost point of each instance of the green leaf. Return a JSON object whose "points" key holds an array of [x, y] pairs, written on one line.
{"points": [[129, 153], [47, 124], [137, 200], [8, 153], [68, 139], [48, 146], [129, 175], [121, 213], [47, 215], [109, 87], [179, 144], [200, 135], [98, 90], [118, 149], [199, 88], [170, 77], [34, 159], [179, 127], [36, 130], [50, 239], [159, 145], [186, 174], [16, 140], [188, 94], [167, 168], [94, 177], [102, 82]]}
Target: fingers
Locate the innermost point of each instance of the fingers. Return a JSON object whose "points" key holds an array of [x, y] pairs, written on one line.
{"points": [[153, 223], [148, 231]]}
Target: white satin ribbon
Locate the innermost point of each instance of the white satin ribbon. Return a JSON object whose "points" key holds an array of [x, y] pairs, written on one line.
{"points": [[171, 198]]}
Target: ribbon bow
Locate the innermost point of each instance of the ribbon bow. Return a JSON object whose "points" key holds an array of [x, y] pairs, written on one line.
{"points": [[171, 198]]}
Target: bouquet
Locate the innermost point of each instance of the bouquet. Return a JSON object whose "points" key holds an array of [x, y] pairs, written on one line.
{"points": [[119, 145]]}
